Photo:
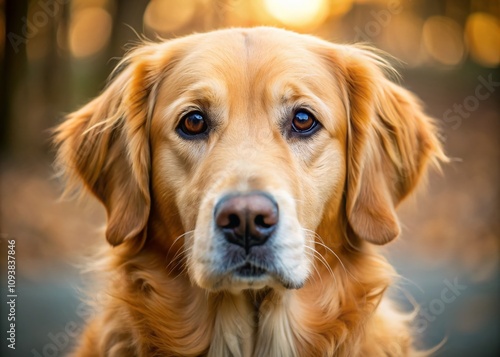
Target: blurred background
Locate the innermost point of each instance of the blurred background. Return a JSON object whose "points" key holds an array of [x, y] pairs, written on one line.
{"points": [[56, 54]]}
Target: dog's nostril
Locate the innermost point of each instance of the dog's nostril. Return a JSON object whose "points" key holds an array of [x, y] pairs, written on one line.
{"points": [[260, 221], [234, 221]]}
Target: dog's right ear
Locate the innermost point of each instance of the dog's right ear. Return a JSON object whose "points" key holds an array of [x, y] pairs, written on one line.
{"points": [[105, 145], [391, 143]]}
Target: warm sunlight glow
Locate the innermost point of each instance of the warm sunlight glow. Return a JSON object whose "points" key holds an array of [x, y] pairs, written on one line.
{"points": [[298, 13], [483, 37], [443, 40], [403, 38], [164, 16], [89, 31], [340, 7]]}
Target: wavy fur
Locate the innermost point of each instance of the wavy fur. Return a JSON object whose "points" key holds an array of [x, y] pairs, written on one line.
{"points": [[339, 191]]}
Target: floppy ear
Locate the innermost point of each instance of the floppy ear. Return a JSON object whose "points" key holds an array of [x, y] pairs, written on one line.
{"points": [[390, 144], [105, 145]]}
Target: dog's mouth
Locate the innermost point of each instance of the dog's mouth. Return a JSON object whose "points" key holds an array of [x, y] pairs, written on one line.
{"points": [[253, 275], [249, 275], [250, 271]]}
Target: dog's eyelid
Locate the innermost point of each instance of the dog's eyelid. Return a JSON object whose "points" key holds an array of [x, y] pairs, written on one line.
{"points": [[306, 107], [315, 107], [190, 109]]}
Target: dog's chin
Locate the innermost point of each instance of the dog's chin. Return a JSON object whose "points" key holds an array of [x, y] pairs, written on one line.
{"points": [[248, 277]]}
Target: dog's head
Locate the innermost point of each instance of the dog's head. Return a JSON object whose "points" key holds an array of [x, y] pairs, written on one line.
{"points": [[231, 148]]}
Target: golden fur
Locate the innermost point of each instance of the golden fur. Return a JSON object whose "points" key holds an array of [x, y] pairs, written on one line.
{"points": [[337, 192]]}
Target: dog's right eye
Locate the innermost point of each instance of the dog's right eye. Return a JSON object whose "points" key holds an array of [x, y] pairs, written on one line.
{"points": [[193, 124], [304, 123]]}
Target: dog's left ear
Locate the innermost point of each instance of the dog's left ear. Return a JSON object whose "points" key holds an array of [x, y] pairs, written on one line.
{"points": [[105, 146], [390, 144]]}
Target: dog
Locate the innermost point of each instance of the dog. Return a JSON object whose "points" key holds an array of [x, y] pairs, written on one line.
{"points": [[248, 176]]}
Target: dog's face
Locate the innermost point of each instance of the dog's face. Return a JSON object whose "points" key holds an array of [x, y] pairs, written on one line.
{"points": [[250, 145], [242, 143]]}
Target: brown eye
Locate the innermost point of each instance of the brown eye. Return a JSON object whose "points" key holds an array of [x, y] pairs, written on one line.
{"points": [[193, 124], [303, 122]]}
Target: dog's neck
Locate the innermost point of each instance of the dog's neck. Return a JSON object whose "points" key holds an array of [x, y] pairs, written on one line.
{"points": [[266, 322], [256, 297], [253, 323]]}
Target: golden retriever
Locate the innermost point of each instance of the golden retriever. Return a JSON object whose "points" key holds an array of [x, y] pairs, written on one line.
{"points": [[247, 176]]}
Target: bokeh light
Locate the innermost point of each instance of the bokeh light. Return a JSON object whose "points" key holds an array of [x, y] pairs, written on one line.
{"points": [[482, 33], [443, 40], [299, 14], [164, 16], [90, 31], [238, 13], [403, 39], [340, 7]]}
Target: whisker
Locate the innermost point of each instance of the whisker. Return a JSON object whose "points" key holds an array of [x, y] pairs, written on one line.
{"points": [[180, 252], [323, 261], [184, 266], [176, 239], [309, 254], [321, 242], [176, 259], [316, 256]]}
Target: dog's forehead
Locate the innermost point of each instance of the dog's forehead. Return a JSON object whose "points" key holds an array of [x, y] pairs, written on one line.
{"points": [[252, 59]]}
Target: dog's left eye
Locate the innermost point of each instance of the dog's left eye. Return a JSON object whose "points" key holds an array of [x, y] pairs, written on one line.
{"points": [[303, 122], [193, 124]]}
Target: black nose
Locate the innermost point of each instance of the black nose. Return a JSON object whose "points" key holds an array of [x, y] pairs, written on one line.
{"points": [[247, 219]]}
